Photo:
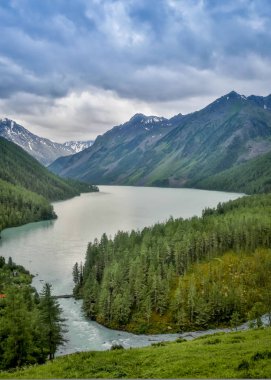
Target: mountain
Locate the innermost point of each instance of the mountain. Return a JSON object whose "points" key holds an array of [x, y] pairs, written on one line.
{"points": [[181, 151], [44, 150], [27, 187], [118, 152], [77, 146], [19, 168]]}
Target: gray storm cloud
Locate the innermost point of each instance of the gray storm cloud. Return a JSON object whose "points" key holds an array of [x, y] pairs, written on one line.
{"points": [[158, 55]]}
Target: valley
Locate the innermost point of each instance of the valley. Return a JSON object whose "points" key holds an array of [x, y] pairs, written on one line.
{"points": [[196, 260], [49, 249], [160, 261], [135, 189]]}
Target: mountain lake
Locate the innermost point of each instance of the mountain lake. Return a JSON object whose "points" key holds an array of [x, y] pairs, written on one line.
{"points": [[49, 249]]}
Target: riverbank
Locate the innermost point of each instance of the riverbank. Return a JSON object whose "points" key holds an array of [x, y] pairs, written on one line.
{"points": [[234, 355]]}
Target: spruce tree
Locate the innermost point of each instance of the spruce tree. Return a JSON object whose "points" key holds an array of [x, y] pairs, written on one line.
{"points": [[51, 321]]}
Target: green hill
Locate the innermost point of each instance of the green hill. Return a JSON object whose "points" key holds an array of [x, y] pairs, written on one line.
{"points": [[20, 206], [26, 187], [234, 355], [19, 168]]}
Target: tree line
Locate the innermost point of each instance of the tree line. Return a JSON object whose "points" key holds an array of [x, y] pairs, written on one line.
{"points": [[19, 206], [145, 281], [31, 327]]}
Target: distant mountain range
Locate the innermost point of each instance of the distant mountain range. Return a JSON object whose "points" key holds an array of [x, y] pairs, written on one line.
{"points": [[44, 150], [186, 150]]}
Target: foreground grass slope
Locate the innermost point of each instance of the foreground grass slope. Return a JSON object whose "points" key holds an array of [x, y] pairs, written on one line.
{"points": [[234, 355]]}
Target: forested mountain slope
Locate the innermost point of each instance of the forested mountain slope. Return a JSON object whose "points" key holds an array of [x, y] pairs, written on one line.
{"points": [[251, 177], [26, 187], [19, 168], [181, 151], [182, 274], [117, 153], [20, 206]]}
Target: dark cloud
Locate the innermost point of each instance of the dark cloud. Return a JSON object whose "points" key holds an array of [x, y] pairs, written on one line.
{"points": [[155, 51]]}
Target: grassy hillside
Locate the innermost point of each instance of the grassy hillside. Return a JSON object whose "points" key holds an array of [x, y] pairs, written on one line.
{"points": [[182, 274], [252, 177], [234, 355], [19, 168]]}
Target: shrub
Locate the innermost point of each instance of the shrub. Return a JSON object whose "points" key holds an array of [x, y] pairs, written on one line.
{"points": [[116, 346]]}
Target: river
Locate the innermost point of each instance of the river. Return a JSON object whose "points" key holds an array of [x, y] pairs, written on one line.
{"points": [[50, 249]]}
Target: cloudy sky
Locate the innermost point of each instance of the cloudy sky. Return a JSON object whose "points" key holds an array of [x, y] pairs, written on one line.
{"points": [[72, 69]]}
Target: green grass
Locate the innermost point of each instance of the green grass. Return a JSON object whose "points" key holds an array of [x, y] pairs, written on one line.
{"points": [[234, 355]]}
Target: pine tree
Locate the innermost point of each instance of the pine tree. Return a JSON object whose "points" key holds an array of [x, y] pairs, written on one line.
{"points": [[18, 343], [52, 324]]}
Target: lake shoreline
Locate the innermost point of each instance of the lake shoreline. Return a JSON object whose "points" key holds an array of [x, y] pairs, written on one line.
{"points": [[49, 249]]}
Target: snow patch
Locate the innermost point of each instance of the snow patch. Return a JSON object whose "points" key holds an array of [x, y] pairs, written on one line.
{"points": [[265, 107], [153, 119]]}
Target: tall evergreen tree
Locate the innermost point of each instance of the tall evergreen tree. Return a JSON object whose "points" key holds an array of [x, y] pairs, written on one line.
{"points": [[51, 322]]}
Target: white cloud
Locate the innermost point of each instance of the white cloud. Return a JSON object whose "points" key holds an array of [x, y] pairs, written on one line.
{"points": [[113, 20], [74, 69], [79, 115]]}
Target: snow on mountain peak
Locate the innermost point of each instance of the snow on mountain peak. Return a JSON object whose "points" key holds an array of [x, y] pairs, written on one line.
{"points": [[78, 146], [44, 150]]}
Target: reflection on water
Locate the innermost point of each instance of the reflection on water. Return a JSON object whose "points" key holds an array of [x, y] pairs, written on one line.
{"points": [[49, 249]]}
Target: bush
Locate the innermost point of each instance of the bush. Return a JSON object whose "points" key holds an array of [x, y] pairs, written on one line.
{"points": [[243, 365], [116, 346]]}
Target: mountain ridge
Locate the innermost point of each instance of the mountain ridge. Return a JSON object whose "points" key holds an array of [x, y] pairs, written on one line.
{"points": [[176, 152], [43, 149]]}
